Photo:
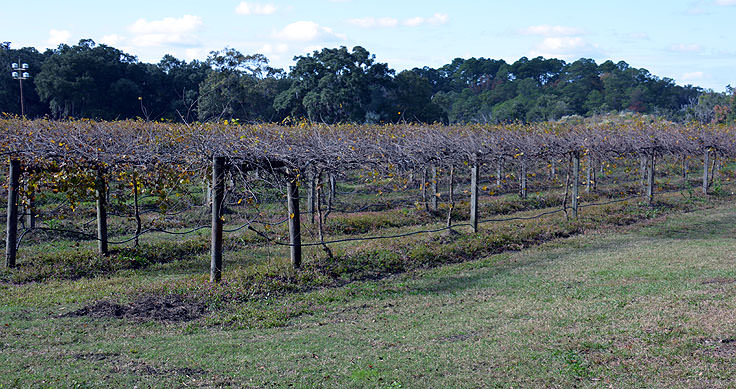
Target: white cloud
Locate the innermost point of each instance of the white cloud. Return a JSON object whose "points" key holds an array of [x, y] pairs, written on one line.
{"points": [[57, 37], [413, 22], [564, 47], [306, 31], [547, 30], [563, 42], [692, 76], [112, 40], [177, 31], [725, 2], [437, 18], [686, 48], [195, 53], [245, 8], [270, 49], [374, 22]]}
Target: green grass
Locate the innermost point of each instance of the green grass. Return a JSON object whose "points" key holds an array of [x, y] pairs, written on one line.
{"points": [[636, 306]]}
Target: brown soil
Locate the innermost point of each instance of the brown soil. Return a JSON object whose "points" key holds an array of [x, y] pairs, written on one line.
{"points": [[170, 308]]}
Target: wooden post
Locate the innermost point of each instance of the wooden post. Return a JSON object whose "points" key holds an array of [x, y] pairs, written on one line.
{"points": [[575, 183], [333, 188], [474, 194], [311, 194], [136, 210], [101, 194], [650, 179], [594, 183], [452, 196], [207, 194], [522, 192], [498, 174], [434, 188], [684, 168], [706, 162], [217, 195], [552, 170], [295, 237], [424, 190], [11, 232], [31, 215]]}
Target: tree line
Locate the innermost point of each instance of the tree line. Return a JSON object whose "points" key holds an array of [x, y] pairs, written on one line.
{"points": [[337, 85]]}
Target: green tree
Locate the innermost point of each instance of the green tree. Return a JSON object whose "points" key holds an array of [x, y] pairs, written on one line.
{"points": [[335, 85], [413, 100], [239, 86], [89, 80], [179, 87]]}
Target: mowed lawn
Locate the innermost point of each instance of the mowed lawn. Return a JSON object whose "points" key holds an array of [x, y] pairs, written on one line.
{"points": [[645, 305]]}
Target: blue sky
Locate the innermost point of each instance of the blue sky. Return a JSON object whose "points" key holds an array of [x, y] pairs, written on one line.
{"points": [[686, 40]]}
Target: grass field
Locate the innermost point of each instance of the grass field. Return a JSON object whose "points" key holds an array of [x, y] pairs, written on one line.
{"points": [[649, 304]]}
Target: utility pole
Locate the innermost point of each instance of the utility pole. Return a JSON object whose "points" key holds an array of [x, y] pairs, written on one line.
{"points": [[20, 73]]}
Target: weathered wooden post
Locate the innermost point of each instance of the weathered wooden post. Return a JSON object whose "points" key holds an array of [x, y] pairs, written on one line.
{"points": [[706, 162], [594, 184], [650, 178], [31, 215], [101, 194], [498, 173], [590, 172], [452, 196], [434, 188], [523, 192], [474, 193], [333, 188], [575, 182], [424, 190], [311, 194], [11, 232], [295, 237], [218, 190], [684, 168], [643, 170], [207, 194]]}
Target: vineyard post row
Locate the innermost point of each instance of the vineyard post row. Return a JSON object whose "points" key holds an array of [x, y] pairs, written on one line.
{"points": [[298, 154], [219, 169]]}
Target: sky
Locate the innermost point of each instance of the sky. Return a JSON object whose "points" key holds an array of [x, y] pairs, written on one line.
{"points": [[685, 40]]}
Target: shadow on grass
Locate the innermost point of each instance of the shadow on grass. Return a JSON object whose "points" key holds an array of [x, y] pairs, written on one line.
{"points": [[696, 226], [700, 225]]}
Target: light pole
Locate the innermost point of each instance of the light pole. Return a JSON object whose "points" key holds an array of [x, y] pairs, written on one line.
{"points": [[20, 73]]}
